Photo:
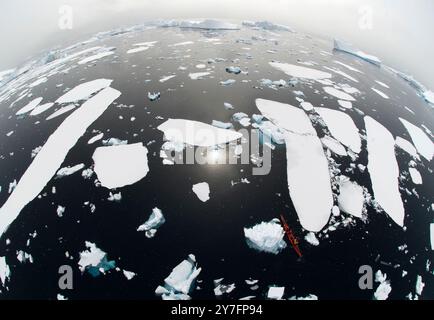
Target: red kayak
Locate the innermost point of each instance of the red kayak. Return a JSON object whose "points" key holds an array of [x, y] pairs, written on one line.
{"points": [[290, 235]]}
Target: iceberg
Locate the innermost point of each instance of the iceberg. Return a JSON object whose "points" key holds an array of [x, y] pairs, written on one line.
{"points": [[154, 96], [84, 90], [350, 199], [345, 47], [266, 237], [383, 169], [30, 106], [275, 293], [342, 127], [94, 260], [421, 141], [155, 220], [300, 72], [196, 133], [202, 191], [121, 165], [182, 277], [52, 154], [235, 70], [338, 94]]}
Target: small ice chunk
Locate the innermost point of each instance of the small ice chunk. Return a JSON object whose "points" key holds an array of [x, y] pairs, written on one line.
{"points": [[311, 238], [351, 197], [380, 93], [227, 82], [198, 75], [336, 211], [300, 72], [275, 293], [128, 274], [383, 290], [382, 84], [266, 237], [202, 191], [23, 257], [415, 176], [67, 171], [345, 104], [138, 49], [116, 197], [114, 142], [221, 289], [338, 94], [5, 271], [30, 106], [419, 285], [421, 141], [347, 66], [155, 220], [235, 70], [228, 106], [95, 138], [185, 43], [222, 125], [87, 173], [94, 260], [201, 66], [164, 79], [121, 165], [431, 228], [84, 90], [154, 96], [60, 211], [308, 297], [61, 297]]}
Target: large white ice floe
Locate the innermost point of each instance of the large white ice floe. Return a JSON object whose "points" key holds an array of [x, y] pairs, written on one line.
{"points": [[84, 90], [181, 280], [338, 94], [421, 141], [407, 147], [52, 154], [345, 47], [300, 72], [307, 166], [122, 165], [266, 237], [350, 197], [155, 220], [342, 127], [30, 106], [97, 56], [196, 133], [383, 169], [202, 191]]}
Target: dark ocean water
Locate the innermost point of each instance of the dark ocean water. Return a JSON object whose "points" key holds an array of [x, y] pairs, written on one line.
{"points": [[212, 231]]}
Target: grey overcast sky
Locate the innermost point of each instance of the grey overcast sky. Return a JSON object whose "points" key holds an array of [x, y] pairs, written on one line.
{"points": [[400, 32]]}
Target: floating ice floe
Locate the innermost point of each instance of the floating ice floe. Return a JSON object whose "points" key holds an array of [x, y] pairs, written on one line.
{"points": [[311, 238], [164, 79], [266, 25], [382, 84], [222, 125], [345, 104], [38, 82], [155, 220], [339, 72], [138, 49], [84, 90], [275, 293], [97, 56], [272, 131], [419, 285], [383, 169], [145, 44], [61, 111], [154, 96], [350, 199], [121, 165], [421, 141], [380, 93], [221, 288], [415, 176], [308, 297], [338, 94], [196, 133], [53, 153], [116, 197], [383, 290], [334, 145], [235, 70], [95, 138], [5, 271], [345, 47], [300, 72], [60, 211], [94, 260], [181, 280], [30, 106], [347, 66], [202, 191], [342, 127], [114, 142], [227, 82], [23, 257], [185, 43], [198, 75], [41, 108], [266, 237], [307, 106], [129, 274], [67, 171], [431, 228]]}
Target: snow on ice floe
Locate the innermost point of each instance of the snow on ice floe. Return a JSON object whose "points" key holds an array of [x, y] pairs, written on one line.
{"points": [[334, 145], [345, 47], [380, 93], [338, 94], [155, 220], [196, 133], [350, 199], [202, 191], [41, 108], [97, 56], [94, 260], [180, 281], [415, 176], [342, 127], [30, 106], [198, 75], [275, 293], [61, 111], [421, 141], [383, 169], [138, 49], [266, 237], [300, 72], [121, 165], [52, 154], [5, 272], [407, 147], [84, 90]]}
